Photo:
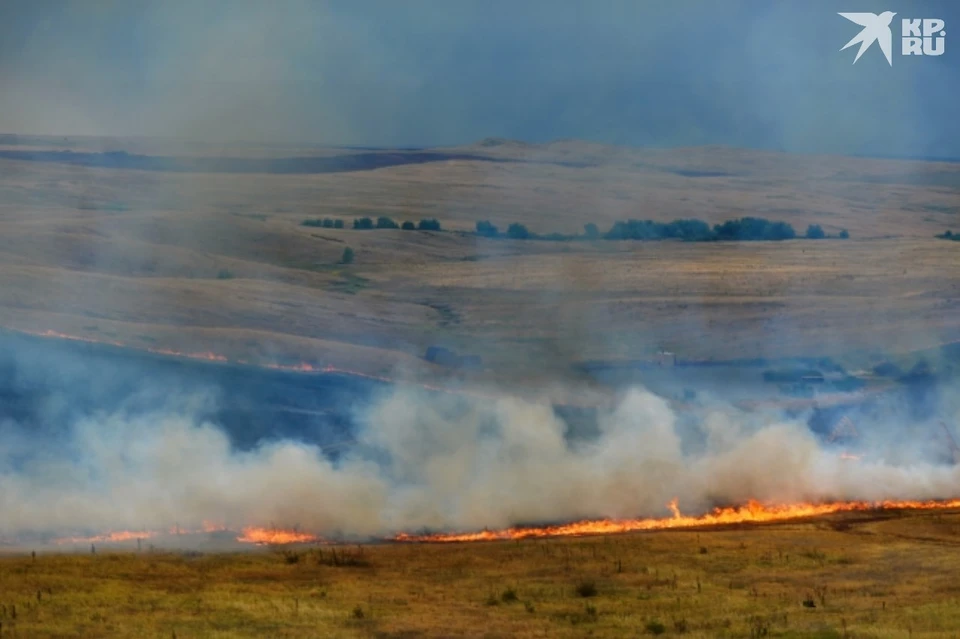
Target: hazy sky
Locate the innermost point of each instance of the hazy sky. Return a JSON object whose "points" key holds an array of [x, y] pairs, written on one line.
{"points": [[760, 73]]}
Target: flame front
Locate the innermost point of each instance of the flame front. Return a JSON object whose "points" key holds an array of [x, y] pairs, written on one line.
{"points": [[752, 512], [261, 536], [110, 537], [249, 535]]}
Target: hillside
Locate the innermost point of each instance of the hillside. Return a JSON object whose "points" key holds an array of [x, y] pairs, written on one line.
{"points": [[193, 260]]}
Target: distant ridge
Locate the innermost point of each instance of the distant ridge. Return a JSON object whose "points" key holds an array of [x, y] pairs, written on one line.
{"points": [[292, 165]]}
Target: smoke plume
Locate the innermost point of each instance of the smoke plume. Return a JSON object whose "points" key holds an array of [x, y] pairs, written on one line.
{"points": [[423, 461]]}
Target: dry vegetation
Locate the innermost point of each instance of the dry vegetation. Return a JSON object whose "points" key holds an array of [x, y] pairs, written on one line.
{"points": [[220, 261], [859, 575]]}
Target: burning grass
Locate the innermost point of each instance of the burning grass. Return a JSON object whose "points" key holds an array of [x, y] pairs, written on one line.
{"points": [[857, 573], [752, 513]]}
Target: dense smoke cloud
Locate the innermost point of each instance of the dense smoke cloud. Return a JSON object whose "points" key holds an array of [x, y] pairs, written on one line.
{"points": [[742, 72], [428, 462]]}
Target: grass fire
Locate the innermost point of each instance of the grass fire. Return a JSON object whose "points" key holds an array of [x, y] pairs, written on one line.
{"points": [[423, 320]]}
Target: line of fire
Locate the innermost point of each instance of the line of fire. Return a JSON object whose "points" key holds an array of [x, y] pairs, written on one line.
{"points": [[273, 393]]}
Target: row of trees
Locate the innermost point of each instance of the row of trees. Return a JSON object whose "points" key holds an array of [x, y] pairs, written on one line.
{"points": [[949, 235], [688, 230], [366, 223], [744, 229]]}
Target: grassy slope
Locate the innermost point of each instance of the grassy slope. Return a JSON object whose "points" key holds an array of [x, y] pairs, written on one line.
{"points": [[887, 577], [149, 274]]}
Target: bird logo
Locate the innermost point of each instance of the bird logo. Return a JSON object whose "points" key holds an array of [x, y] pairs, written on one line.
{"points": [[876, 28]]}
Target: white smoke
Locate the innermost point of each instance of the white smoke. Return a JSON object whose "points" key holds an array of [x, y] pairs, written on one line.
{"points": [[438, 464]]}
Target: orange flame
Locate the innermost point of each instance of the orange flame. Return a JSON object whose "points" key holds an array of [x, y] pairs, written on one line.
{"points": [[753, 512], [251, 535], [261, 536], [114, 537]]}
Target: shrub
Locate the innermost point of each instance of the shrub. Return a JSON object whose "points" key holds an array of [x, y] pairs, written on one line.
{"points": [[363, 223], [343, 559], [508, 595], [654, 627], [347, 257], [224, 274], [688, 230], [518, 231], [752, 229], [815, 232], [759, 627], [486, 229], [586, 589], [358, 613], [408, 226], [844, 235], [635, 230], [386, 223], [429, 225]]}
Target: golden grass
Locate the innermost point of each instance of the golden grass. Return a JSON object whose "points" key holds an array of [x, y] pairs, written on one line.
{"points": [[866, 575], [152, 272]]}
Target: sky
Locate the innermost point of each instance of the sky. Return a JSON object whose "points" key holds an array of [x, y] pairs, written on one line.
{"points": [[749, 73]]}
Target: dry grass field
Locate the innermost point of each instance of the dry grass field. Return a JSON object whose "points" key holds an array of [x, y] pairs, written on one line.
{"points": [[220, 261], [862, 575]]}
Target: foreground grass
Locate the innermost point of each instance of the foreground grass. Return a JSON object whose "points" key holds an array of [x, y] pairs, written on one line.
{"points": [[859, 576]]}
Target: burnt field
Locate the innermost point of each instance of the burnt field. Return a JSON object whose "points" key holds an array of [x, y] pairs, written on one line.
{"points": [[45, 381], [48, 381]]}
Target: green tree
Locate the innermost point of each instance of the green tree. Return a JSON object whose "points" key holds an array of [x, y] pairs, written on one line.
{"points": [[518, 231], [844, 235], [486, 229], [347, 257], [815, 232], [408, 226], [338, 224], [384, 222], [363, 223], [591, 231], [429, 225]]}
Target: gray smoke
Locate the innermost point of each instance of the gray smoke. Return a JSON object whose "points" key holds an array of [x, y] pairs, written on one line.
{"points": [[434, 463]]}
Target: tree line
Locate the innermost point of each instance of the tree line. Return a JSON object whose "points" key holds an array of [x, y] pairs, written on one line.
{"points": [[688, 230], [366, 223]]}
